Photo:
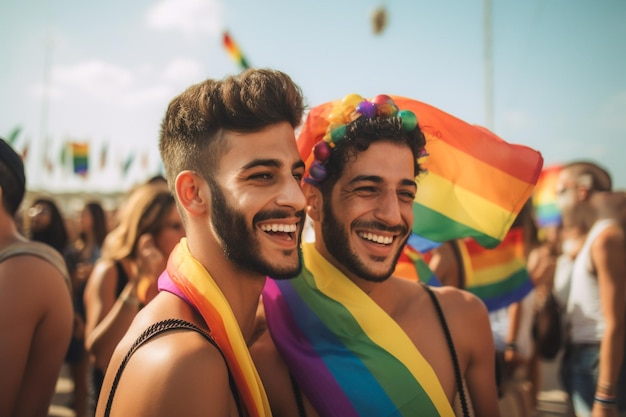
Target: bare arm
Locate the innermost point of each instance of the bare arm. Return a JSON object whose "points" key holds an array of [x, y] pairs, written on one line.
{"points": [[607, 254], [445, 265], [35, 328], [480, 373], [179, 373], [107, 315]]}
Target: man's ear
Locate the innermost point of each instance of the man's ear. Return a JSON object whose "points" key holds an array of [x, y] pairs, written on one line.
{"points": [[314, 201], [192, 192]]}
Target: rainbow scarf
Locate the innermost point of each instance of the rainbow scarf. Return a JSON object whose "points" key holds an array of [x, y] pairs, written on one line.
{"points": [[194, 281], [475, 184], [498, 276], [347, 355], [544, 198]]}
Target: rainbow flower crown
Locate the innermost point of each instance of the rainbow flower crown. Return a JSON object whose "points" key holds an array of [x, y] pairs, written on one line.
{"points": [[351, 108]]}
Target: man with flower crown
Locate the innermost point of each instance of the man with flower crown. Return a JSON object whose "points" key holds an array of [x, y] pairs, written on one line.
{"points": [[347, 337]]}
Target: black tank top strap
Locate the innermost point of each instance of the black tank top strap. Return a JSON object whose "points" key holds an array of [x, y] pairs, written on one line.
{"points": [[122, 277], [159, 328], [455, 359], [298, 396]]}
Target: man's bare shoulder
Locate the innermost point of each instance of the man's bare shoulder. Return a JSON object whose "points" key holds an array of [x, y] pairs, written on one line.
{"points": [[28, 270], [178, 372], [459, 302]]}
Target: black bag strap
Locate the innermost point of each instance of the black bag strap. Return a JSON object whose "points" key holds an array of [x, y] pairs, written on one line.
{"points": [[159, 328], [455, 359]]}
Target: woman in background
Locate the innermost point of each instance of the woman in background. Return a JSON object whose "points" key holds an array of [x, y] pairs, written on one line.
{"points": [[81, 257], [124, 278]]}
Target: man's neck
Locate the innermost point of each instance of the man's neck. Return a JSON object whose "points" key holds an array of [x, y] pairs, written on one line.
{"points": [[241, 288], [8, 232]]}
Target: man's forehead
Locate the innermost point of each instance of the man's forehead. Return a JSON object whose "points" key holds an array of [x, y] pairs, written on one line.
{"points": [[383, 157]]}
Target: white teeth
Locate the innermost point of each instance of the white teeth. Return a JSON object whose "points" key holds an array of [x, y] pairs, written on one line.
{"points": [[385, 240], [276, 227]]}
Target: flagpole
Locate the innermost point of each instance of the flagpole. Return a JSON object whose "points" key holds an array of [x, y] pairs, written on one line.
{"points": [[488, 62], [39, 151]]}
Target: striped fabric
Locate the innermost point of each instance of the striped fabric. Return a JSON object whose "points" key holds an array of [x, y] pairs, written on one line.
{"points": [[544, 198], [234, 51], [80, 158], [413, 265], [347, 355], [201, 290], [498, 276], [476, 183]]}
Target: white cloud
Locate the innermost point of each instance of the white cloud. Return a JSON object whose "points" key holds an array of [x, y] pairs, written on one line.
{"points": [[154, 94], [183, 70], [96, 78], [190, 17], [109, 84]]}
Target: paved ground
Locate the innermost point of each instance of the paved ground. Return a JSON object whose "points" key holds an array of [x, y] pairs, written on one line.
{"points": [[552, 400]]}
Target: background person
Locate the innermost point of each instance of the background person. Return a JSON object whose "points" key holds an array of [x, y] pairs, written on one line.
{"points": [[35, 305]]}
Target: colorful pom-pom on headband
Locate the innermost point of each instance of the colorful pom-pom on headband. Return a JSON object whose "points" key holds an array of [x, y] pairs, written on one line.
{"points": [[351, 108]]}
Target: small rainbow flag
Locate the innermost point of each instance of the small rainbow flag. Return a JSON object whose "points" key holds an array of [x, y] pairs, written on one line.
{"points": [[80, 156], [544, 198], [498, 276], [413, 266], [475, 185], [234, 52]]}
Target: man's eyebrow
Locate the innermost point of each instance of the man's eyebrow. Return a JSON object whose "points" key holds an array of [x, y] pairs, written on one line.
{"points": [[377, 179], [272, 163], [369, 178]]}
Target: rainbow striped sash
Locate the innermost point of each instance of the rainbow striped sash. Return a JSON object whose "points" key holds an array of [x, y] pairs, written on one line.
{"points": [[347, 355], [200, 289]]}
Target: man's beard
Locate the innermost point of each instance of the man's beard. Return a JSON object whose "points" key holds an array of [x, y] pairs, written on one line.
{"points": [[337, 243], [239, 243]]}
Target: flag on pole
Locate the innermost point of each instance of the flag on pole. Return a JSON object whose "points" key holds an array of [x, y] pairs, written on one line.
{"points": [[234, 52], [12, 137], [128, 162], [103, 155], [80, 157]]}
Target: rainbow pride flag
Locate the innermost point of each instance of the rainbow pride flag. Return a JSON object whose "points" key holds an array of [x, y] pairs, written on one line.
{"points": [[498, 276], [80, 157], [413, 266], [235, 53], [544, 198], [476, 183], [348, 356]]}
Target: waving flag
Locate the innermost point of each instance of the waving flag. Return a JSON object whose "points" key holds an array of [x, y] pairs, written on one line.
{"points": [[80, 156], [413, 266], [13, 135], [544, 198], [475, 185], [234, 52], [498, 276]]}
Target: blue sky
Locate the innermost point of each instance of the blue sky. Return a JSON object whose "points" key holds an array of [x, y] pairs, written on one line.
{"points": [[559, 70]]}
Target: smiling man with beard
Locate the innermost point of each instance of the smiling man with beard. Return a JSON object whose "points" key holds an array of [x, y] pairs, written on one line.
{"points": [[232, 163], [346, 338]]}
